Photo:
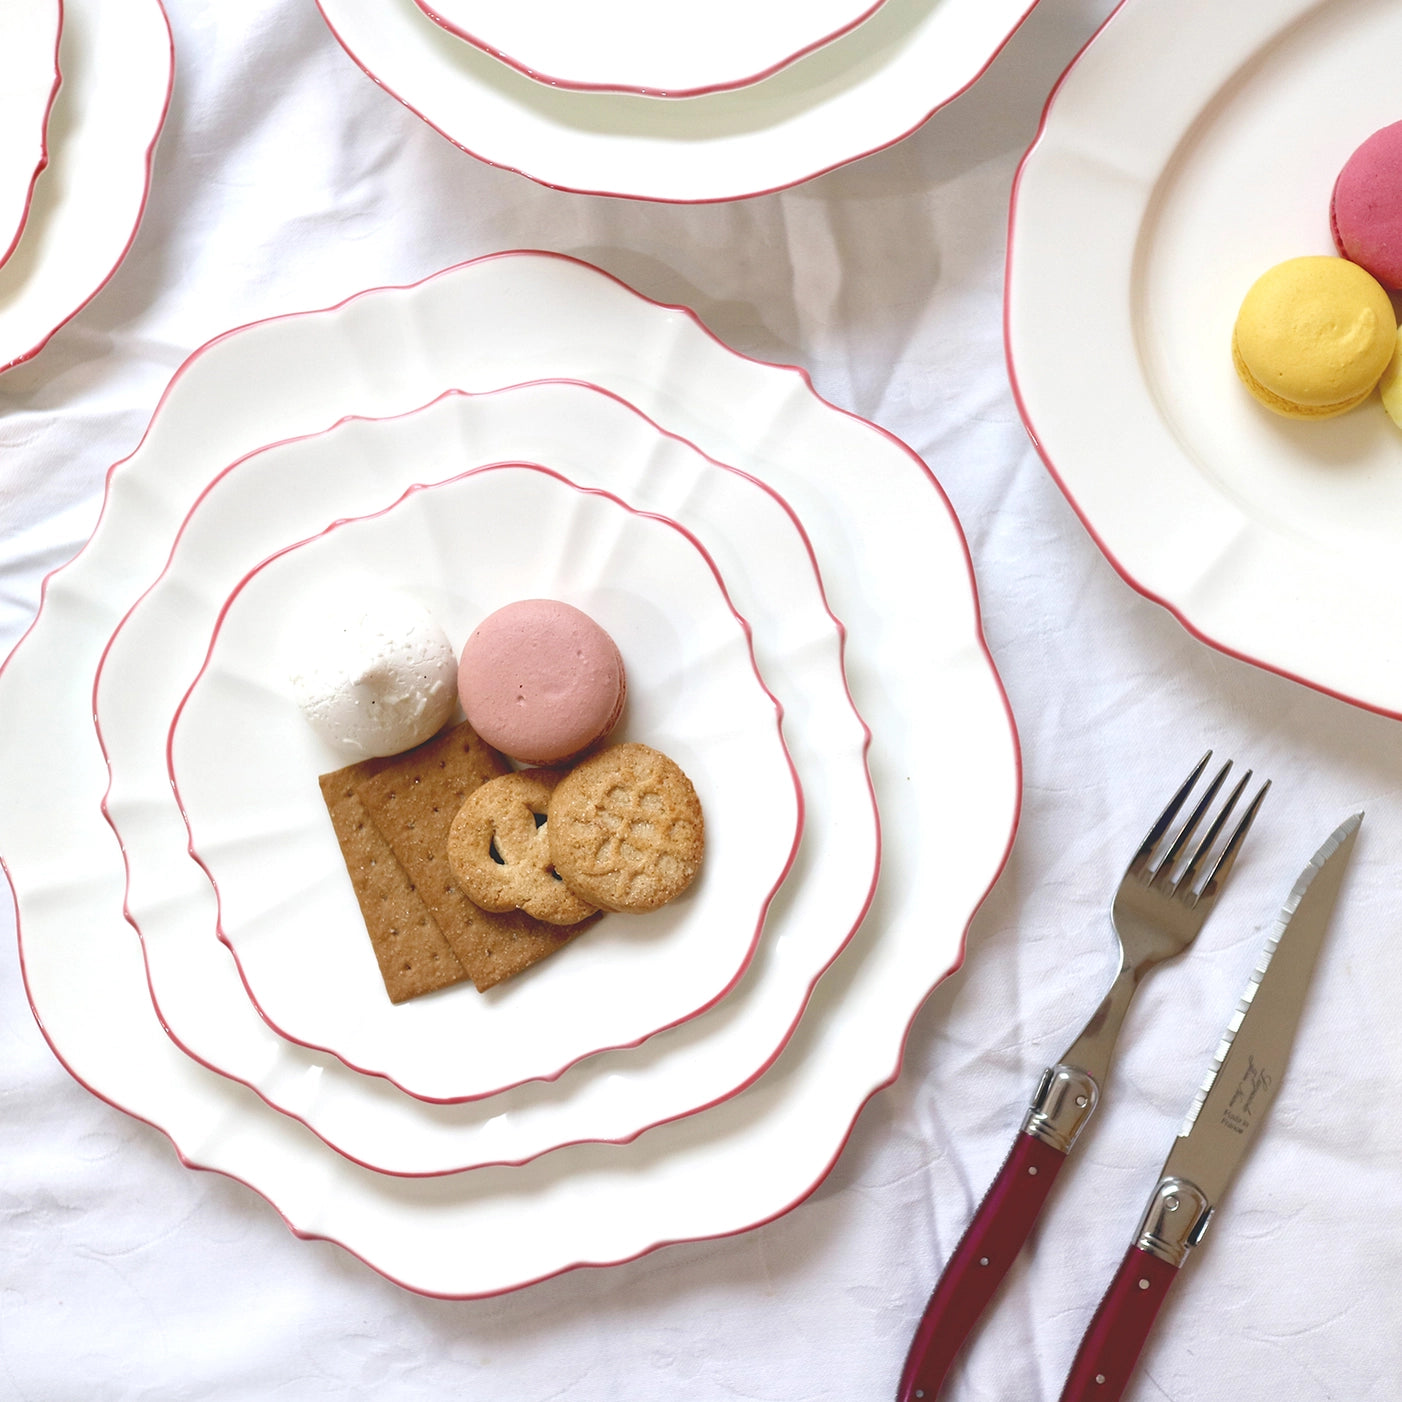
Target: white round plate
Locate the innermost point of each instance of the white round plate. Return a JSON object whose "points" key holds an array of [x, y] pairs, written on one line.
{"points": [[847, 99], [679, 50], [612, 1097], [465, 548], [943, 757], [118, 66], [1141, 215], [29, 79]]}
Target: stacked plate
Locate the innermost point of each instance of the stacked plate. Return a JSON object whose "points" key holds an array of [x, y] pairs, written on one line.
{"points": [[84, 89], [520, 425], [682, 102]]}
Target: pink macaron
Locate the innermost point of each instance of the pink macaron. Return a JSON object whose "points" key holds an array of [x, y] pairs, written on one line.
{"points": [[541, 681], [1365, 213]]}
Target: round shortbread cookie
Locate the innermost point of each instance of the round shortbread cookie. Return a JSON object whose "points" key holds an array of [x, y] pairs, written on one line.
{"points": [[499, 849], [626, 830]]}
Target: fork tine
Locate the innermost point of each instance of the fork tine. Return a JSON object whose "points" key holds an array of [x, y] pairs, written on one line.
{"points": [[1163, 873], [1161, 824], [1185, 881], [1217, 877]]}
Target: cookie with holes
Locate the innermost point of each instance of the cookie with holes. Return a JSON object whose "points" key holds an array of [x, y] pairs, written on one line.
{"points": [[499, 849], [626, 830]]}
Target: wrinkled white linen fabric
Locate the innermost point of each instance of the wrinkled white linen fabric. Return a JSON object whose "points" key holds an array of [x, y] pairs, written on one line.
{"points": [[286, 180]]}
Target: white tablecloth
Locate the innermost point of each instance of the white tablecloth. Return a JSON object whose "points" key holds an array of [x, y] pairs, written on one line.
{"points": [[286, 180]]}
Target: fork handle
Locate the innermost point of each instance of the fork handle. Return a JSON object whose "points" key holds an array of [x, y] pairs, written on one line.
{"points": [[971, 1278]]}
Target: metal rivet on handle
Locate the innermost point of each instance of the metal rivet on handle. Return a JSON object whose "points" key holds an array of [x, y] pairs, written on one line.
{"points": [[1143, 1284], [983, 1260], [1100, 1377], [1032, 1170]]}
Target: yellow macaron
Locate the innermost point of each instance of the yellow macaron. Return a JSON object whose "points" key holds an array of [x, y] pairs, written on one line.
{"points": [[1313, 337], [1390, 386]]}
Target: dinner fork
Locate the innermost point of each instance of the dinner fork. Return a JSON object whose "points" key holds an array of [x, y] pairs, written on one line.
{"points": [[1157, 911]]}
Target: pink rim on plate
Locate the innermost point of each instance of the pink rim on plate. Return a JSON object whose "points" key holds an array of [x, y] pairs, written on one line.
{"points": [[738, 71], [798, 1119], [118, 76], [26, 99], [1135, 227], [866, 90], [695, 991], [603, 1107]]}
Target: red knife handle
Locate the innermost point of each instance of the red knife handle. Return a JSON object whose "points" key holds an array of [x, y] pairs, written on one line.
{"points": [[971, 1278], [1117, 1332]]}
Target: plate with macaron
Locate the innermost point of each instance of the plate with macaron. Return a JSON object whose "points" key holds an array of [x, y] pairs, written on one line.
{"points": [[619, 482], [447, 852], [1201, 322], [746, 1107]]}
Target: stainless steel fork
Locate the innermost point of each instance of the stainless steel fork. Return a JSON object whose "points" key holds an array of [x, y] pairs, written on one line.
{"points": [[1161, 904]]}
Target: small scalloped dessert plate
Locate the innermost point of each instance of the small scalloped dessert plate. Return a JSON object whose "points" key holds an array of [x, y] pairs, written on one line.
{"points": [[29, 80], [118, 66], [677, 50], [944, 761], [243, 764], [1141, 215], [863, 91], [604, 443]]}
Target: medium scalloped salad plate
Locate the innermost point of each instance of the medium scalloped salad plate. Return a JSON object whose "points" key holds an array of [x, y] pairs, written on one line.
{"points": [[600, 441]]}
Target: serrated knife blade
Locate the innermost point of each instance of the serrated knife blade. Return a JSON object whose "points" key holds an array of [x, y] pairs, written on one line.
{"points": [[1223, 1120]]}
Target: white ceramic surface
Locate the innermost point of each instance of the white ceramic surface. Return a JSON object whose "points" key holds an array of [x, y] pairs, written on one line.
{"points": [[118, 64], [851, 97], [944, 760], [1141, 215], [674, 50], [29, 79], [243, 760], [612, 1097]]}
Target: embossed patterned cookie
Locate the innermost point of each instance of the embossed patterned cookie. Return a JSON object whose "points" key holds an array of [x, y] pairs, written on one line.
{"points": [[626, 830], [499, 849]]}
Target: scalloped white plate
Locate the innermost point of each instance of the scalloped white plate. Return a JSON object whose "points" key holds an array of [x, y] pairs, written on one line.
{"points": [[676, 50], [1141, 215], [118, 65], [944, 760], [243, 760], [612, 1097], [29, 79], [863, 91]]}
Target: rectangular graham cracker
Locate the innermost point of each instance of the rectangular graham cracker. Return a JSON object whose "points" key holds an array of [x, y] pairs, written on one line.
{"points": [[412, 800], [409, 947]]}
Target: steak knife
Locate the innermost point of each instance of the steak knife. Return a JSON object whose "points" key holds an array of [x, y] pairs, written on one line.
{"points": [[1223, 1120]]}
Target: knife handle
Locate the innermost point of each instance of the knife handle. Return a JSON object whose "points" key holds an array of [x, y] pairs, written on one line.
{"points": [[1119, 1328], [971, 1278]]}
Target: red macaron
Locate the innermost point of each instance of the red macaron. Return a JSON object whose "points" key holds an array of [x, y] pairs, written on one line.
{"points": [[541, 681], [1365, 212]]}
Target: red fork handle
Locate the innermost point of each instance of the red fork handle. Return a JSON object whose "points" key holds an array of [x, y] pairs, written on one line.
{"points": [[1113, 1341], [971, 1278]]}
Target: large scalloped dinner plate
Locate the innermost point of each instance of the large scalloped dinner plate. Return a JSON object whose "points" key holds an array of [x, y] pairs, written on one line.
{"points": [[944, 761], [29, 80], [1141, 215], [864, 91], [242, 759], [118, 67], [678, 50], [611, 1097]]}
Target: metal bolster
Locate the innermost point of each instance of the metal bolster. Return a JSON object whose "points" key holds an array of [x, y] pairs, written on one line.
{"points": [[1064, 1101], [1175, 1220]]}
